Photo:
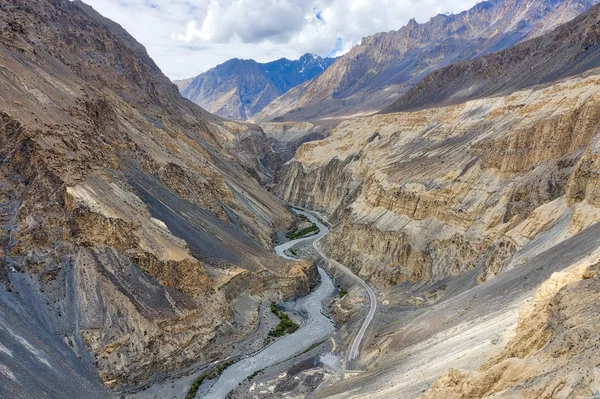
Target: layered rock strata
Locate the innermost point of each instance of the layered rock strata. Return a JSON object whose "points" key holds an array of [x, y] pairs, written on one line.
{"points": [[425, 195], [131, 221]]}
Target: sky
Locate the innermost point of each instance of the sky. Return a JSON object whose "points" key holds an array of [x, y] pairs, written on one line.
{"points": [[188, 37]]}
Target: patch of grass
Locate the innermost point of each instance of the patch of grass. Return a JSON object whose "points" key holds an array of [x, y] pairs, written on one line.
{"points": [[285, 326], [293, 252], [207, 375], [310, 230], [343, 293]]}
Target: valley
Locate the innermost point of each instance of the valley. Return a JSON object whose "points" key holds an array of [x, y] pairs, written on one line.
{"points": [[315, 329], [417, 216]]}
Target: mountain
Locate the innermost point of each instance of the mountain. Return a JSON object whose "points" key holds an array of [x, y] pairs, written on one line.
{"points": [[132, 222], [386, 65], [459, 214], [569, 50], [479, 222], [238, 89]]}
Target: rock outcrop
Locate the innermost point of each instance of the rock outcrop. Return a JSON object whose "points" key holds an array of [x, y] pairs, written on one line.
{"points": [[556, 340], [129, 214]]}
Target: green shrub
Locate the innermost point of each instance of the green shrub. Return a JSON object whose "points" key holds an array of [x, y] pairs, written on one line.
{"points": [[285, 326], [207, 375], [257, 372], [310, 230], [343, 293]]}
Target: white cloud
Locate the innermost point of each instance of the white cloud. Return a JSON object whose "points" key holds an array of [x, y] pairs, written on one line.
{"points": [[187, 37], [249, 20]]}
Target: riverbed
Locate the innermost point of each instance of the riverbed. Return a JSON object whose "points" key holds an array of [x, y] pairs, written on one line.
{"points": [[316, 327]]}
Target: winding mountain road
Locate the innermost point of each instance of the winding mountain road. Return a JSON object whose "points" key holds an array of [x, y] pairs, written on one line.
{"points": [[316, 326], [354, 351]]}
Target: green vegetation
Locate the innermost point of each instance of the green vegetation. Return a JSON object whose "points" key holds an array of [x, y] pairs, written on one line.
{"points": [[293, 252], [310, 230], [343, 293], [257, 372], [274, 309], [285, 326], [207, 375], [313, 346]]}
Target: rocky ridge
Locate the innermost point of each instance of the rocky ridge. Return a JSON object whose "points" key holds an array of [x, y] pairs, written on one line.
{"points": [[460, 214], [386, 65], [569, 50], [424, 195]]}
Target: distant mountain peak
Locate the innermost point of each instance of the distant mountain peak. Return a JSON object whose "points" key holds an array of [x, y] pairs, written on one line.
{"points": [[238, 89], [540, 60]]}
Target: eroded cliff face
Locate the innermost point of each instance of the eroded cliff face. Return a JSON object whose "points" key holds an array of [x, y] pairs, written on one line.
{"points": [[554, 342], [424, 195], [129, 215], [286, 137]]}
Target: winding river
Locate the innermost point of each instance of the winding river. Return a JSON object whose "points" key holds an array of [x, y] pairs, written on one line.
{"points": [[315, 328]]}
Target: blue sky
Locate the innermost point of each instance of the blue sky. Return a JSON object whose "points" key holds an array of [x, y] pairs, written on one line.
{"points": [[187, 37]]}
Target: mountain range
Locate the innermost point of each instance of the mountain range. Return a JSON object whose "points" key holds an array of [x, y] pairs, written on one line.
{"points": [[239, 89], [138, 231], [385, 66], [569, 50]]}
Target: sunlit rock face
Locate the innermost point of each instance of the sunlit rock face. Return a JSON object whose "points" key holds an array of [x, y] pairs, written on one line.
{"points": [[552, 352], [433, 193]]}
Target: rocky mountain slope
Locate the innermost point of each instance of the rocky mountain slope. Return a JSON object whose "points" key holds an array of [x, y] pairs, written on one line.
{"points": [[131, 224], [239, 89], [458, 214], [429, 194], [386, 65], [552, 353], [286, 137], [569, 50]]}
